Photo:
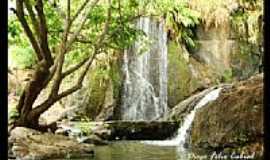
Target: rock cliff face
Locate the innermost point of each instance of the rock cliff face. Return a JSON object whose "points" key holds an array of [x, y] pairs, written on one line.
{"points": [[226, 54], [234, 120], [221, 56], [101, 92], [186, 75], [104, 85]]}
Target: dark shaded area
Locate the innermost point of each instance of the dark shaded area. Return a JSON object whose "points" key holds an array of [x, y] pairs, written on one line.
{"points": [[3, 69], [266, 67], [142, 130]]}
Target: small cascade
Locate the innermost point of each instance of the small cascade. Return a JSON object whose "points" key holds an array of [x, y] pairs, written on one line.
{"points": [[144, 95], [181, 136]]}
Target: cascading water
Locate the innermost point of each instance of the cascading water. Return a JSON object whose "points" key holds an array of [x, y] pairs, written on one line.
{"points": [[144, 95], [181, 136]]}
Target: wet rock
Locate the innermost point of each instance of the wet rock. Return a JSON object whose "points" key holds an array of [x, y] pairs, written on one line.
{"points": [[101, 129], [130, 130], [27, 144], [103, 89], [234, 120], [62, 131], [184, 75], [85, 132], [93, 139], [142, 130], [179, 112]]}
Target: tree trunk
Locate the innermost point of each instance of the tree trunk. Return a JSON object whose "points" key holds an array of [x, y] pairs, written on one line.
{"points": [[27, 118]]}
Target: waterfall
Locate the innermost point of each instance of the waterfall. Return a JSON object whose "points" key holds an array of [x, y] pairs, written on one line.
{"points": [[144, 95], [181, 136]]}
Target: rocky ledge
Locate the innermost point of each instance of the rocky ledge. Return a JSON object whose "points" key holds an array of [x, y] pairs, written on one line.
{"points": [[118, 130], [233, 122], [142, 130], [28, 144]]}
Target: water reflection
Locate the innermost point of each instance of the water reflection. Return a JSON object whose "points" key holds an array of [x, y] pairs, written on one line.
{"points": [[138, 151], [135, 150]]}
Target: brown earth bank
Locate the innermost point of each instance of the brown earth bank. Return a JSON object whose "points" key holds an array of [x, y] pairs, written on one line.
{"points": [[233, 122]]}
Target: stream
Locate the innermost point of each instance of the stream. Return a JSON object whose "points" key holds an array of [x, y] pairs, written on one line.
{"points": [[170, 149]]}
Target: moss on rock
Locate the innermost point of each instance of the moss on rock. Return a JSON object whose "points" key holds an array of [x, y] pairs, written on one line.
{"points": [[178, 75], [186, 75], [104, 88]]}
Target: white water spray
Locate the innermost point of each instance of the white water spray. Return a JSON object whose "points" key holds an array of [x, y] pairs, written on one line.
{"points": [[181, 136], [144, 95]]}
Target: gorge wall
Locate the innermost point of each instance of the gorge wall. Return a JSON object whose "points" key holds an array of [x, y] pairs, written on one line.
{"points": [[220, 57]]}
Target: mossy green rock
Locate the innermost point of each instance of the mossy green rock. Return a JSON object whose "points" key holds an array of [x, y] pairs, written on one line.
{"points": [[178, 75], [104, 88], [185, 74]]}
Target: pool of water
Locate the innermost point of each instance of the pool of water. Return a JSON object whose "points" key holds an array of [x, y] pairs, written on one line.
{"points": [[136, 150], [144, 150]]}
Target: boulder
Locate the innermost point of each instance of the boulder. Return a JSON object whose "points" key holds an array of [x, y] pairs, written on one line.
{"points": [[234, 121], [27, 144], [142, 130], [84, 132], [93, 139], [102, 130]]}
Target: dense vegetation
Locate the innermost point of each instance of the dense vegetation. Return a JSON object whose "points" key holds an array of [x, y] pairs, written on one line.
{"points": [[63, 38], [86, 69]]}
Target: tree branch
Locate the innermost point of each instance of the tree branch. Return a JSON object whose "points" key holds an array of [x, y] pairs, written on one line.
{"points": [[67, 26], [79, 10], [32, 16], [34, 87], [20, 15], [106, 27], [74, 68], [51, 100], [54, 96], [52, 72], [61, 57], [99, 43], [65, 46], [43, 33], [84, 41], [61, 13], [68, 11], [80, 79], [83, 21]]}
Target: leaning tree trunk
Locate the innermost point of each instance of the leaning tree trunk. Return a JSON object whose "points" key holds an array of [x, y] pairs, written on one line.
{"points": [[48, 67], [27, 117]]}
